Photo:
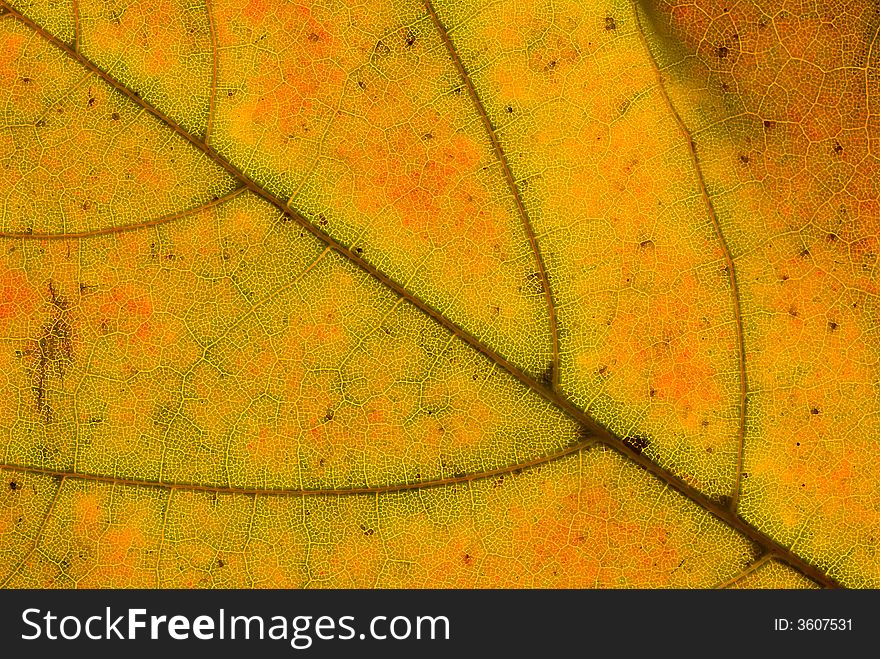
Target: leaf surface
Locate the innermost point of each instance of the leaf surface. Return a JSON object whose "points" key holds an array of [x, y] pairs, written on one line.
{"points": [[404, 294]]}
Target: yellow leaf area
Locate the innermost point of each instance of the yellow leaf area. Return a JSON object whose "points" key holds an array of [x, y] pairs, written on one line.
{"points": [[578, 521], [410, 294], [781, 100], [772, 575]]}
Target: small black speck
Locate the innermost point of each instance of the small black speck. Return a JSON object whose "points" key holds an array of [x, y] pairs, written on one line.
{"points": [[358, 250], [509, 109], [13, 486]]}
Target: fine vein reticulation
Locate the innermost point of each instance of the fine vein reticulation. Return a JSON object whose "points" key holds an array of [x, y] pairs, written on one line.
{"points": [[591, 431]]}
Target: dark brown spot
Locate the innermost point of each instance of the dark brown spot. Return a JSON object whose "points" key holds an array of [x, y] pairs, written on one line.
{"points": [[27, 81], [534, 283], [509, 109], [358, 250], [832, 326], [792, 312], [646, 243], [804, 253], [831, 237], [837, 148], [382, 50], [13, 486], [328, 416], [410, 39], [637, 444], [55, 352], [427, 136], [220, 562], [610, 23], [603, 369], [744, 159], [468, 559], [40, 123], [314, 38], [769, 125], [724, 500], [814, 410], [722, 52], [547, 375], [362, 84]]}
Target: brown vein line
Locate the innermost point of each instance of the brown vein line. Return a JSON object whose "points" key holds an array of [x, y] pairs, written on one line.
{"points": [[309, 492], [39, 534], [746, 571], [590, 428], [213, 96], [511, 184], [125, 227], [77, 38], [728, 259]]}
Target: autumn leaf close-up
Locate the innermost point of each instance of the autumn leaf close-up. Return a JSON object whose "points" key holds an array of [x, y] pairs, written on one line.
{"points": [[482, 294]]}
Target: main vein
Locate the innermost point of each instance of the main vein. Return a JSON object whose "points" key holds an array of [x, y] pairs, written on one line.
{"points": [[591, 430]]}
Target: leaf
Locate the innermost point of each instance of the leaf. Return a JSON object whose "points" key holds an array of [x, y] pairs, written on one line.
{"points": [[487, 294]]}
